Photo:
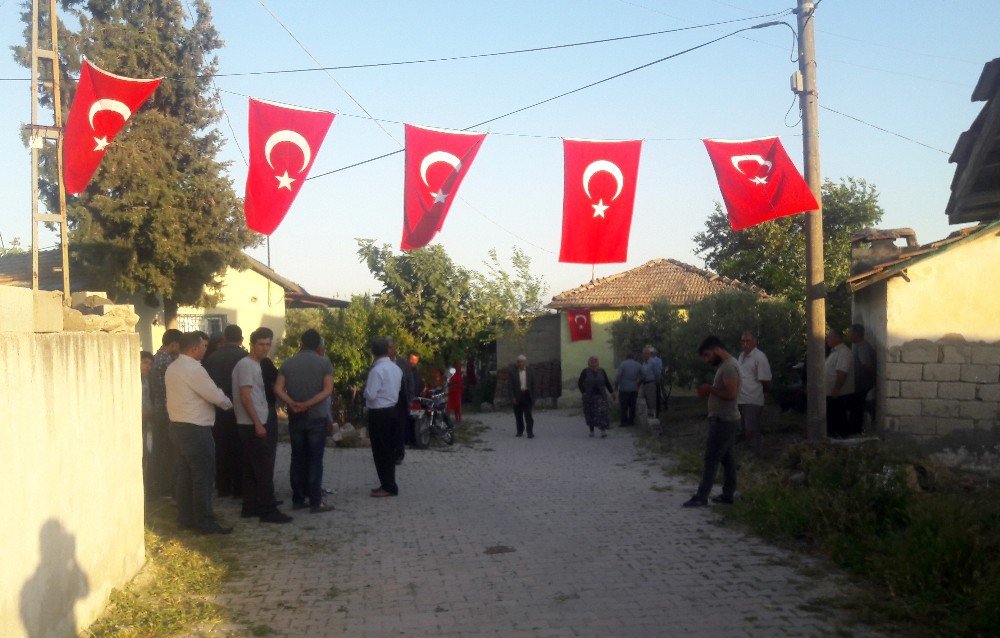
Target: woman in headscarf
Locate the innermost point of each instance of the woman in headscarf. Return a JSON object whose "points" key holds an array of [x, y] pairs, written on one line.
{"points": [[595, 388]]}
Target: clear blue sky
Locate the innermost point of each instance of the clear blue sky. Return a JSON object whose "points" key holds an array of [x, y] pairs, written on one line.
{"points": [[906, 66]]}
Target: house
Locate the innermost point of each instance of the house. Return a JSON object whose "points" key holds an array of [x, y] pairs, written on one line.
{"points": [[254, 297], [610, 297], [932, 311]]}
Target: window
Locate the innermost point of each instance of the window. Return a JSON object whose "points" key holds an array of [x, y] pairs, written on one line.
{"points": [[209, 324]]}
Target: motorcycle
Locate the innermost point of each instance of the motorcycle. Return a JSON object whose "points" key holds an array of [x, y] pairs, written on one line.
{"points": [[431, 416]]}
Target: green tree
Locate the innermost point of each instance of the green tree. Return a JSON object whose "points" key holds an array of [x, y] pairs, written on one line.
{"points": [[772, 255], [160, 217], [15, 247], [658, 326], [508, 301]]}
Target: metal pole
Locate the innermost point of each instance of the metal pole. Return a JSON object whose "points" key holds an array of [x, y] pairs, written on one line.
{"points": [[57, 108], [815, 284], [35, 144]]}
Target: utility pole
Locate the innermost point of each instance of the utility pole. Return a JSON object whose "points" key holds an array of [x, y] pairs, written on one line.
{"points": [[815, 284], [39, 134]]}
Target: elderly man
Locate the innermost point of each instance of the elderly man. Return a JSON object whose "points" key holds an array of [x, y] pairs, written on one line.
{"points": [[755, 381], [228, 448], [839, 383], [382, 394], [164, 454], [191, 395], [406, 396], [627, 380], [522, 396], [652, 371]]}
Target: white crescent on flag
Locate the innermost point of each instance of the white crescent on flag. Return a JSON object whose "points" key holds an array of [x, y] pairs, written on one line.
{"points": [[292, 137], [108, 105]]}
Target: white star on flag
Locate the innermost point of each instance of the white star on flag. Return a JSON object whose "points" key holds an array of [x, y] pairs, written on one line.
{"points": [[102, 143], [599, 209], [439, 198], [284, 181]]}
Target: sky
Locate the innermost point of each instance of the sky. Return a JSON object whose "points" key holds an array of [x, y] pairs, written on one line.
{"points": [[908, 67]]}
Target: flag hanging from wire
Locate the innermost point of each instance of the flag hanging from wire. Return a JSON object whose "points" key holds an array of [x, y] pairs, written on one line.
{"points": [[599, 192], [284, 142], [103, 103], [436, 163], [758, 181]]}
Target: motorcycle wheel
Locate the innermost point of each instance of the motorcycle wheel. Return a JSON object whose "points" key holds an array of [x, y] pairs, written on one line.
{"points": [[422, 432]]}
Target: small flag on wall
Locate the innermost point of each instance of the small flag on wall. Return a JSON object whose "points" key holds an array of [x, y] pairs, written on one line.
{"points": [[579, 325]]}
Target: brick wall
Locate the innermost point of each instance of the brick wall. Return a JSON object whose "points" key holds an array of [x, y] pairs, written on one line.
{"points": [[935, 388]]}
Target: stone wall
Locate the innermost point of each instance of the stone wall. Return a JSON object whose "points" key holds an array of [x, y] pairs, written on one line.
{"points": [[72, 498], [935, 388]]}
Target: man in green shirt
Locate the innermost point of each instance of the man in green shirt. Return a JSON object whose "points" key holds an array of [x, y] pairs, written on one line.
{"points": [[723, 422]]}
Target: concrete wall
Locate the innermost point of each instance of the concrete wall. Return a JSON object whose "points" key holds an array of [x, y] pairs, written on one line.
{"points": [[575, 354], [540, 343], [936, 388], [72, 499], [248, 299]]}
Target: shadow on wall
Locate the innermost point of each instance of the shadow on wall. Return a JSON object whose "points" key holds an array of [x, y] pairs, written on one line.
{"points": [[48, 598]]}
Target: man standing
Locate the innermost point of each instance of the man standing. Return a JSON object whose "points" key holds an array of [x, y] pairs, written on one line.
{"points": [[304, 383], [627, 381], [755, 381], [864, 377], [522, 395], [406, 396], [416, 386], [652, 370], [723, 421], [228, 449], [839, 383], [255, 427], [382, 393], [191, 394], [164, 454]]}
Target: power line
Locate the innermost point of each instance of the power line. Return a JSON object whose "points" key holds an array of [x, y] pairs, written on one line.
{"points": [[565, 93], [884, 130]]}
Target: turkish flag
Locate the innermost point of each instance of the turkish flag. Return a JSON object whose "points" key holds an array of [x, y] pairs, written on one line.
{"points": [[758, 181], [579, 325], [284, 142], [599, 191], [102, 105], [436, 164]]}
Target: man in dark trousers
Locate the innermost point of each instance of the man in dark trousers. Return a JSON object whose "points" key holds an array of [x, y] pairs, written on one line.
{"points": [[627, 381], [723, 422], [382, 400], [228, 448], [522, 396], [406, 396], [164, 454], [305, 382]]}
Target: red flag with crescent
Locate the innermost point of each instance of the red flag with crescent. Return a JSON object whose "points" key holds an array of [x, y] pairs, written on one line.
{"points": [[103, 103], [758, 181], [598, 195], [436, 163], [579, 325], [284, 142]]}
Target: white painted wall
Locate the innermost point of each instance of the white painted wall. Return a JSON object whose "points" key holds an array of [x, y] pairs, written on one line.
{"points": [[72, 498]]}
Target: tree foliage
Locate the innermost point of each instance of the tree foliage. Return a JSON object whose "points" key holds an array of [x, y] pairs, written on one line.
{"points": [[160, 217], [778, 324], [772, 255]]}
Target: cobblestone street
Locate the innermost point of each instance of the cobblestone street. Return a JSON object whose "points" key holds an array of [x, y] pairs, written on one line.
{"points": [[560, 535]]}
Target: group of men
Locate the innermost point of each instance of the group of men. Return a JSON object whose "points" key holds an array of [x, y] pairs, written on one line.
{"points": [[850, 376], [214, 424], [633, 377]]}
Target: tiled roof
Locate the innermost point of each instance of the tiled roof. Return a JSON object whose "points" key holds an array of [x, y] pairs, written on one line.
{"points": [[679, 283], [975, 189], [911, 256]]}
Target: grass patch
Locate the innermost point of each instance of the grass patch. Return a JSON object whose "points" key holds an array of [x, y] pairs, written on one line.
{"points": [[468, 432], [172, 593]]}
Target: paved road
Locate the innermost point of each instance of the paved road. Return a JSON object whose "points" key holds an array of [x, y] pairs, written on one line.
{"points": [[561, 535]]}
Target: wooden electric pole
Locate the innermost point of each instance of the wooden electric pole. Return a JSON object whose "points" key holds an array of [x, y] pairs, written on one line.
{"points": [[815, 284], [39, 134]]}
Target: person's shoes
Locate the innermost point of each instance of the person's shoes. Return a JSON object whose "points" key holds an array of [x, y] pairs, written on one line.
{"points": [[519, 434], [604, 434], [213, 528], [275, 517], [319, 509], [399, 461], [591, 434], [299, 506], [531, 436], [380, 493], [695, 501], [245, 513], [722, 499]]}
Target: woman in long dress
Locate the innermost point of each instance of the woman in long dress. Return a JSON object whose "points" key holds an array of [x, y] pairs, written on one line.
{"points": [[595, 388]]}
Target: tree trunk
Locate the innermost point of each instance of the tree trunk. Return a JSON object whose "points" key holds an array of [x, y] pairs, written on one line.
{"points": [[169, 313]]}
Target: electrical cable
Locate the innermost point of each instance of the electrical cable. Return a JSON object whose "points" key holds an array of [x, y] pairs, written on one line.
{"points": [[884, 130]]}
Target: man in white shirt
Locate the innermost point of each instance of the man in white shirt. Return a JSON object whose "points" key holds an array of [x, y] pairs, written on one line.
{"points": [[191, 397], [755, 381], [381, 398], [839, 383], [255, 429]]}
